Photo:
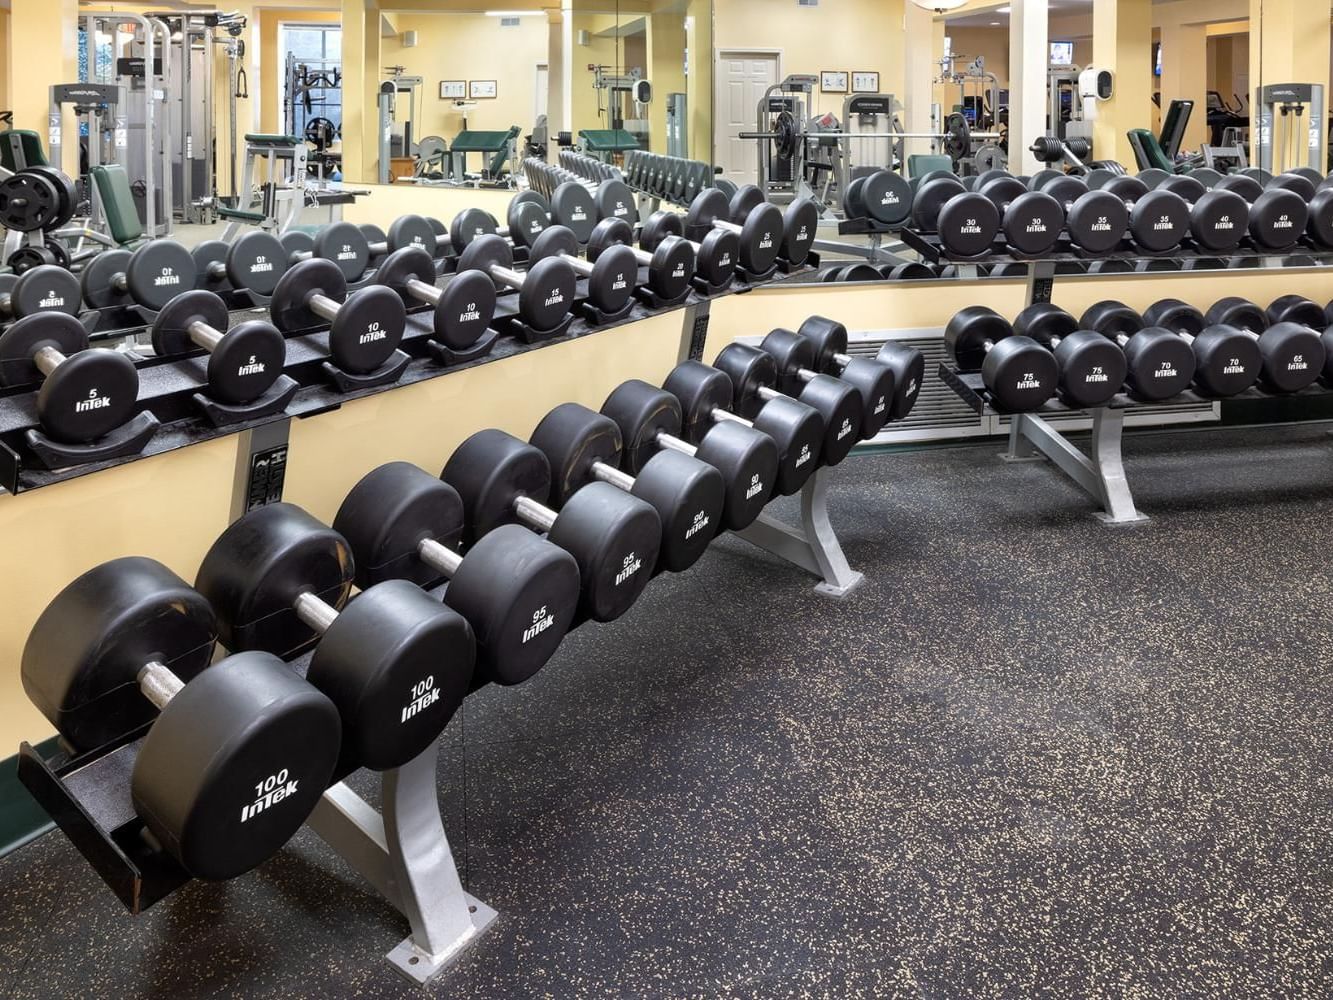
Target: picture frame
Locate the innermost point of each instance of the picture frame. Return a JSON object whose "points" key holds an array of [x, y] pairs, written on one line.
{"points": [[453, 90], [481, 89], [833, 81], [865, 82]]}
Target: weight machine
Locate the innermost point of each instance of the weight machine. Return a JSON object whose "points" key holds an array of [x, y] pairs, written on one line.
{"points": [[620, 100], [1292, 128], [395, 141]]}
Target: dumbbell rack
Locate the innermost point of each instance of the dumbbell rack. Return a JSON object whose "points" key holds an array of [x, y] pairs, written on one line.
{"points": [[873, 249]]}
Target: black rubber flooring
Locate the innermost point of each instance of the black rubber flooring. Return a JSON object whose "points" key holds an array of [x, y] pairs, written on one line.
{"points": [[1032, 756]]}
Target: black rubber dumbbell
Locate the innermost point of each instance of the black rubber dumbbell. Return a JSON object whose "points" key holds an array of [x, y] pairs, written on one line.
{"points": [[716, 255], [967, 222], [243, 362], [759, 233], [545, 292], [1092, 368], [1019, 373], [1277, 216], [238, 753], [255, 262], [1030, 221], [340, 243], [650, 422], [365, 327], [611, 276], [394, 661], [149, 276], [1158, 220], [85, 392], [1219, 219], [1162, 362], [527, 219], [614, 537], [584, 446], [906, 364], [44, 288], [670, 265], [1288, 338], [884, 197], [1096, 221], [517, 590], [873, 383], [462, 309]]}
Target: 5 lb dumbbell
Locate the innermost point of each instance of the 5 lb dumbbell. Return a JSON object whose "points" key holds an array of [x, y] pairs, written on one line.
{"points": [[365, 328], [518, 591], [907, 365], [238, 753], [394, 661], [1020, 374], [243, 362], [44, 288]]}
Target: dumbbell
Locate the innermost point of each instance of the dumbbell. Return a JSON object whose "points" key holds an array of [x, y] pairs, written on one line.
{"points": [[707, 397], [238, 753], [1219, 218], [584, 446], [759, 377], [255, 263], [1030, 221], [1158, 220], [527, 220], [873, 383], [149, 276], [715, 256], [85, 392], [340, 243], [614, 537], [44, 288], [1279, 213], [579, 204], [1287, 336], [759, 235], [670, 264], [1020, 374], [395, 662], [365, 328], [906, 365], [1092, 368], [517, 591], [611, 275], [1096, 221], [243, 362], [463, 308], [650, 422], [800, 221], [1163, 359], [967, 222], [884, 197], [545, 291]]}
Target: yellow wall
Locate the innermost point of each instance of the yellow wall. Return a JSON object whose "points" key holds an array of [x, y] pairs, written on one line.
{"points": [[470, 47], [4, 54], [666, 65], [598, 50]]}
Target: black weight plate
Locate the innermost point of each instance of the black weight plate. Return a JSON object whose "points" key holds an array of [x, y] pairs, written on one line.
{"points": [[1042, 177], [967, 333], [257, 261], [28, 256], [46, 288], [1020, 374], [28, 202], [344, 245], [469, 225], [157, 271], [65, 188], [210, 264], [1227, 361], [367, 330], [465, 309], [1160, 364], [289, 310], [572, 206], [98, 275]]}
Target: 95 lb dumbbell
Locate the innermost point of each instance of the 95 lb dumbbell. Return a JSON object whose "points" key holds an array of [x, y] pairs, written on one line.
{"points": [[1020, 374], [670, 265], [238, 753], [907, 365], [85, 392], [518, 591], [44, 288], [395, 662], [1092, 367], [462, 310], [759, 378], [584, 446], [611, 276], [614, 537], [545, 292], [149, 276], [365, 327], [243, 362], [707, 397], [650, 422]]}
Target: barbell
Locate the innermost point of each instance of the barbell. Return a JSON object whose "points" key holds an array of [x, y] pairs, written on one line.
{"points": [[957, 136]]}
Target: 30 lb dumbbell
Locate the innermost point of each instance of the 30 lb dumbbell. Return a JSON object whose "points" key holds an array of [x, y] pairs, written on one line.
{"points": [[1291, 350], [707, 397], [150, 276], [462, 309], [1160, 362], [584, 446], [243, 362], [1097, 221], [1092, 368], [1020, 374], [394, 661], [650, 422], [670, 264], [612, 536], [518, 591], [884, 197], [365, 328], [85, 392], [611, 276], [238, 753], [907, 365], [44, 288]]}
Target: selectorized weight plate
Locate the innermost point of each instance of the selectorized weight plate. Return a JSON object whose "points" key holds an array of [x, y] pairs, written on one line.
{"points": [[345, 247], [96, 280], [256, 262], [46, 288], [572, 206], [28, 201], [289, 309], [158, 271]]}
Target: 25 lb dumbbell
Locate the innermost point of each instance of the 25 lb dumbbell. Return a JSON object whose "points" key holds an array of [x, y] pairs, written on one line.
{"points": [[612, 536], [238, 753], [584, 446], [518, 591], [395, 662], [759, 232], [1020, 374], [243, 362], [828, 338], [365, 328]]}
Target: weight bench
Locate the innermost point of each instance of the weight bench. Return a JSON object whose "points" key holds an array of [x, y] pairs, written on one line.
{"points": [[499, 145], [920, 164], [272, 149], [603, 142]]}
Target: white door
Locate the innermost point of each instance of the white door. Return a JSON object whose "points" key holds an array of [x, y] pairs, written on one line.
{"points": [[742, 78], [542, 86]]}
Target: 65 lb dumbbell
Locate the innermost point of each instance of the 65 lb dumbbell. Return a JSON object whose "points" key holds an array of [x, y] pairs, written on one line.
{"points": [[1290, 347]]}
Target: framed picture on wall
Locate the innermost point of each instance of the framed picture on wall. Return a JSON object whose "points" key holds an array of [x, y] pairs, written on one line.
{"points": [[453, 90], [833, 81], [865, 83], [481, 88]]}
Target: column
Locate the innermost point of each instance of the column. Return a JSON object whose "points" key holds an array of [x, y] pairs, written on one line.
{"points": [[1185, 76], [1029, 53], [42, 53], [361, 78], [1122, 43], [920, 70]]}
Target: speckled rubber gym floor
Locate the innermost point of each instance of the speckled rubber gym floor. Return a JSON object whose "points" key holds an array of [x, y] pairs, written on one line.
{"points": [[1033, 756]]}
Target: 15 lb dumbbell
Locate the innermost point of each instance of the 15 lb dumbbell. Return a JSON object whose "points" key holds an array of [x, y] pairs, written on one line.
{"points": [[518, 591], [907, 365], [611, 276], [670, 264], [243, 362], [365, 328], [584, 446], [612, 536], [1020, 374], [394, 661], [238, 753]]}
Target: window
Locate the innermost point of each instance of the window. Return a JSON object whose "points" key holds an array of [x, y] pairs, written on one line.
{"points": [[311, 58]]}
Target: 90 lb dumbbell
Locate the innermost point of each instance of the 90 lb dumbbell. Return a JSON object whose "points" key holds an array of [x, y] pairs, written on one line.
{"points": [[243, 362], [907, 365], [614, 537], [395, 662], [365, 327], [584, 446], [1020, 374], [238, 753], [518, 591]]}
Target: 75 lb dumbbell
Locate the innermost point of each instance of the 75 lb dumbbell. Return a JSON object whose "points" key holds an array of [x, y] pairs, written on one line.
{"points": [[584, 446], [365, 328], [1020, 374], [1161, 363], [828, 338], [612, 536], [238, 753], [1092, 368], [394, 661], [518, 591], [243, 362]]}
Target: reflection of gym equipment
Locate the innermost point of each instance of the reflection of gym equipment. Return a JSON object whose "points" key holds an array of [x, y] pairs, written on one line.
{"points": [[1227, 125], [622, 100], [1162, 152], [396, 135], [1292, 130]]}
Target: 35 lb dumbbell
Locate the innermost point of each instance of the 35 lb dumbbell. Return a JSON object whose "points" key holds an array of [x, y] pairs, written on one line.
{"points": [[365, 327], [518, 591], [907, 365], [614, 537], [1158, 220], [238, 753], [394, 661], [243, 362], [1020, 374]]}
